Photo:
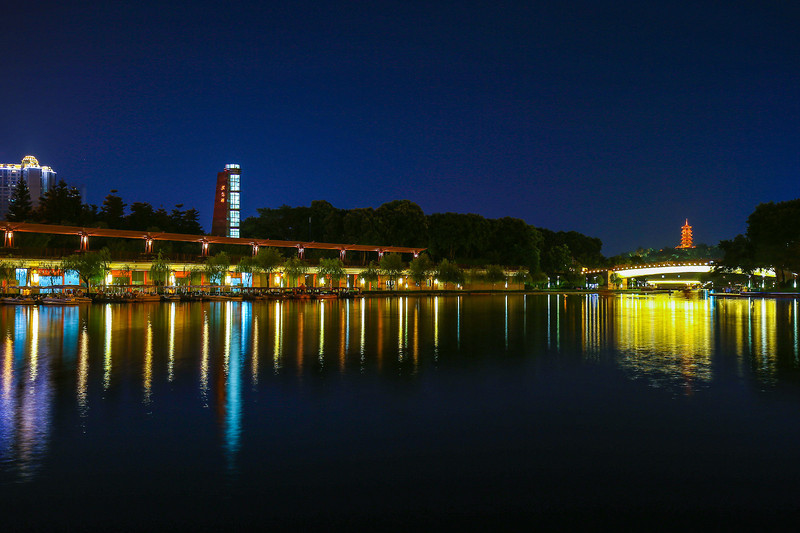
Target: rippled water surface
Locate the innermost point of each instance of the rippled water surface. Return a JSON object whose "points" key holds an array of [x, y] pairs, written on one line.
{"points": [[401, 412]]}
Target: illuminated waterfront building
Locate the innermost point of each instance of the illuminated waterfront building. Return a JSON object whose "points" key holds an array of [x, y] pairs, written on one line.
{"points": [[686, 236], [39, 179], [226, 202]]}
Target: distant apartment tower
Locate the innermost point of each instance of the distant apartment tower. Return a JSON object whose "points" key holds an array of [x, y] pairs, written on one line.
{"points": [[39, 179], [226, 203]]}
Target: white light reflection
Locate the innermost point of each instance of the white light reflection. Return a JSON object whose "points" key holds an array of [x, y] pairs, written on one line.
{"points": [[254, 362], [171, 356], [233, 403], [278, 336], [34, 367], [83, 371], [362, 334], [107, 349], [321, 333], [204, 361]]}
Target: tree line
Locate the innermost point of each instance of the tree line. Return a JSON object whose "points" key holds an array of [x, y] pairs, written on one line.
{"points": [[465, 239], [62, 205]]}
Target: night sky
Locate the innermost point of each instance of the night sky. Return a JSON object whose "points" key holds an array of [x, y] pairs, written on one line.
{"points": [[615, 119]]}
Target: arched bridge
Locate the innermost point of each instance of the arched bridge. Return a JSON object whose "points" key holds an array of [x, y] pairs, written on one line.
{"points": [[666, 274]]}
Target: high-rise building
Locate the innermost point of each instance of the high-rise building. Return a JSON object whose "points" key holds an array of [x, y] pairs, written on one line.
{"points": [[226, 202], [39, 179]]}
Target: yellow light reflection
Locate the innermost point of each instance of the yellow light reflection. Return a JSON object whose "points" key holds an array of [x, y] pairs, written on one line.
{"points": [[8, 367], [400, 329], [665, 341], [148, 361], [436, 327]]}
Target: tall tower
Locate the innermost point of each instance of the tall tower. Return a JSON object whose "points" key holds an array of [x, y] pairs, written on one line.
{"points": [[686, 236], [226, 202]]}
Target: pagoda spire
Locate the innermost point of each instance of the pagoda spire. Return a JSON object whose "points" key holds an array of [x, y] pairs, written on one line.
{"points": [[686, 236]]}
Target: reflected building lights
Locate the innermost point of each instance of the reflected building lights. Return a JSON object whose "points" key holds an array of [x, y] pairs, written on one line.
{"points": [[148, 361], [362, 335], [171, 352], [8, 401], [254, 361], [83, 371], [107, 348], [436, 327], [458, 322], [399, 329], [34, 364], [205, 340], [321, 333], [233, 382], [505, 332], [278, 337]]}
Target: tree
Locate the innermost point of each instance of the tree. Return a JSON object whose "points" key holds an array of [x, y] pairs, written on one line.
{"points": [[90, 266], [371, 273], [140, 217], [557, 259], [294, 267], [615, 279], [61, 205], [159, 270], [268, 260], [495, 274], [522, 276], [421, 268], [216, 267], [402, 223], [448, 272], [113, 210], [539, 278], [20, 206], [333, 269], [8, 272], [391, 266]]}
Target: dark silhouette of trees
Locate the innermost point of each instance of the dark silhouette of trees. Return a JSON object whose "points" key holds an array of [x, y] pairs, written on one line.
{"points": [[62, 205], [112, 211], [20, 206]]}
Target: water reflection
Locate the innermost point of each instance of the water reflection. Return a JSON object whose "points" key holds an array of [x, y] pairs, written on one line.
{"points": [[48, 354]]}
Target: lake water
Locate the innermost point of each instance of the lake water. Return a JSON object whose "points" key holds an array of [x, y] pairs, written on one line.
{"points": [[400, 412]]}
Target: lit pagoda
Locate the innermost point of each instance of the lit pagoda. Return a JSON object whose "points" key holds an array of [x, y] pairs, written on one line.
{"points": [[686, 236]]}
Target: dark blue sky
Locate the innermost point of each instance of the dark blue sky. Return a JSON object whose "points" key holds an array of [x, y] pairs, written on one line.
{"points": [[615, 119]]}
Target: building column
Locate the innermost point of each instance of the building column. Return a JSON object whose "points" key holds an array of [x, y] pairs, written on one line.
{"points": [[148, 245], [204, 249], [301, 252], [8, 240], [84, 242]]}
